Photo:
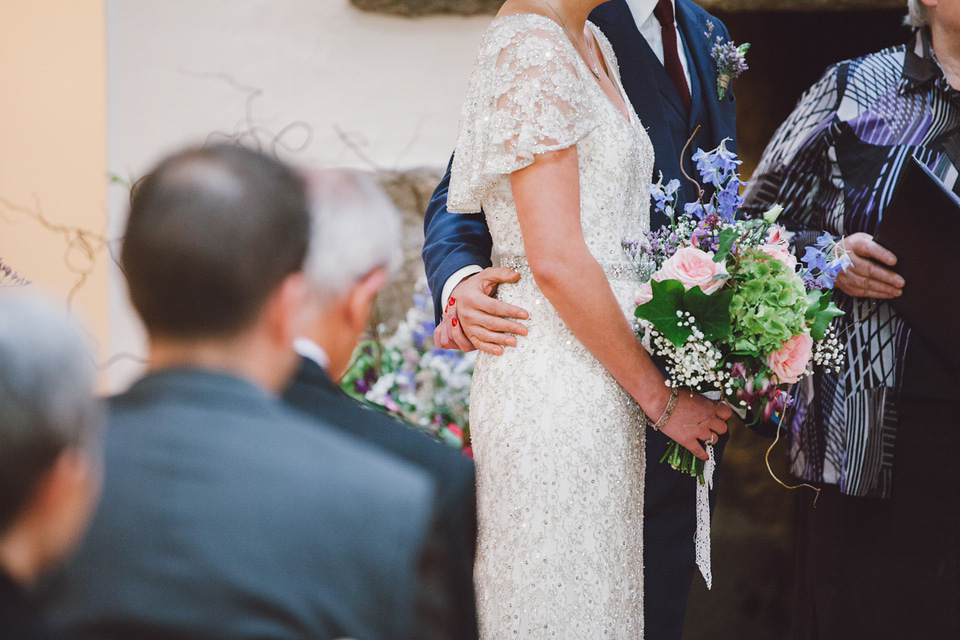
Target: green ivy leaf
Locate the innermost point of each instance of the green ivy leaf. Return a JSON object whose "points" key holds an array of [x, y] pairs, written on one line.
{"points": [[712, 312], [823, 319], [816, 302], [662, 309], [724, 243]]}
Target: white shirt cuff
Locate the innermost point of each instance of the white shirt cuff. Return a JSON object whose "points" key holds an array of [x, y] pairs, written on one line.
{"points": [[455, 279]]}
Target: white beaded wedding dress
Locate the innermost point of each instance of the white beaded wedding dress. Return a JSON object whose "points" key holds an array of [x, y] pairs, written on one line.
{"points": [[557, 442]]}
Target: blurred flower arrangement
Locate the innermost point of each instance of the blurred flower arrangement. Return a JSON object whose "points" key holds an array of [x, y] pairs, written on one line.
{"points": [[408, 376], [9, 277], [724, 304]]}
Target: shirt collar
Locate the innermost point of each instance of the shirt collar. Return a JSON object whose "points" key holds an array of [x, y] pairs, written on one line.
{"points": [[920, 66], [642, 10], [312, 351]]}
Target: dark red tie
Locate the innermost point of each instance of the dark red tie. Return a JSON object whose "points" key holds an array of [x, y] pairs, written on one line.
{"points": [[671, 53]]}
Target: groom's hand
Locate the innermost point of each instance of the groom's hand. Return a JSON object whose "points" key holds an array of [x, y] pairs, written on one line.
{"points": [[474, 319], [697, 419]]}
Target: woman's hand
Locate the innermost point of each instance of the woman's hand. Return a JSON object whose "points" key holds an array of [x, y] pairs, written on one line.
{"points": [[866, 278], [697, 419]]}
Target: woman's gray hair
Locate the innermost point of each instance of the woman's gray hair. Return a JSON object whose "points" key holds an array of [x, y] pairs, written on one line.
{"points": [[916, 14], [356, 230], [46, 396]]}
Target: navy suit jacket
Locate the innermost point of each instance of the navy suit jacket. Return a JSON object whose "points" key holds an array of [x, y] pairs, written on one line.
{"points": [[313, 392], [454, 241], [226, 514]]}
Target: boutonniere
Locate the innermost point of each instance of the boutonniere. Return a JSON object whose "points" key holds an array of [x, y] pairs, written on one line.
{"points": [[731, 59]]}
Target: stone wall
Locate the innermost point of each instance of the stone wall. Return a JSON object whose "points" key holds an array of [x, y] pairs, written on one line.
{"points": [[410, 191]]}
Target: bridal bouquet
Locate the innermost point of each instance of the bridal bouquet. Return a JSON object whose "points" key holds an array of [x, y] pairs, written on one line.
{"points": [[408, 376], [724, 305]]}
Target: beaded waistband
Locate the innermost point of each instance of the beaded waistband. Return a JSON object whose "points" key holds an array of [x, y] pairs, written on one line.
{"points": [[622, 270]]}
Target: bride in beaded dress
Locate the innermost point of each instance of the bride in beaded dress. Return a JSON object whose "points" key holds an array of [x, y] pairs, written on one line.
{"points": [[555, 156]]}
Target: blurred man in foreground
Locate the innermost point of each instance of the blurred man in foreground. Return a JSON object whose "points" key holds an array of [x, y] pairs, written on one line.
{"points": [[50, 426], [224, 513]]}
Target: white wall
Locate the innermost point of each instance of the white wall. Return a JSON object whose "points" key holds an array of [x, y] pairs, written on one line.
{"points": [[181, 70]]}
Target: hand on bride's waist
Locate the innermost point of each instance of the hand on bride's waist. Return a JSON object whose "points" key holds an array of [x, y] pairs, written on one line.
{"points": [[474, 319]]}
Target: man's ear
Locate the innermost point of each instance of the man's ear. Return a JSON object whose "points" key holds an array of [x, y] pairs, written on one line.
{"points": [[361, 298], [63, 501], [284, 313]]}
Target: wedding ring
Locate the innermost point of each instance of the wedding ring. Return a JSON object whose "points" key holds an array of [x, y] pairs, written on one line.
{"points": [[710, 441]]}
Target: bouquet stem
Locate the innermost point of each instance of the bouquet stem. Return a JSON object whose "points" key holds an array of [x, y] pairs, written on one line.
{"points": [[683, 461]]}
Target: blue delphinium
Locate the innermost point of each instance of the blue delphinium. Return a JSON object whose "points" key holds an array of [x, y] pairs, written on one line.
{"points": [[824, 261], [664, 198]]}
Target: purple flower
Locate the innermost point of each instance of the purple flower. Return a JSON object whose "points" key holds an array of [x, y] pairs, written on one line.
{"points": [[815, 259], [361, 386], [705, 235], [716, 166], [729, 200], [664, 197], [695, 209]]}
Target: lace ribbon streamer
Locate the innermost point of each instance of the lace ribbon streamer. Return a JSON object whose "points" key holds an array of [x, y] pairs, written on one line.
{"points": [[701, 540]]}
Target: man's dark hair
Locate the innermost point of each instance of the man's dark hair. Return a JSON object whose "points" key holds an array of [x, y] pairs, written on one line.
{"points": [[212, 232]]}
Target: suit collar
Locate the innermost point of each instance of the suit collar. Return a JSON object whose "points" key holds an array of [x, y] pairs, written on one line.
{"points": [[617, 23], [313, 372], [199, 384], [704, 69], [611, 13]]}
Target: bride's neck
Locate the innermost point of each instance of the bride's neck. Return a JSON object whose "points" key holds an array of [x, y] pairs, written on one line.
{"points": [[573, 13]]}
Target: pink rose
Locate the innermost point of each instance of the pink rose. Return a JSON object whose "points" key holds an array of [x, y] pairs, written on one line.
{"points": [[790, 362], [778, 248], [693, 267], [644, 294]]}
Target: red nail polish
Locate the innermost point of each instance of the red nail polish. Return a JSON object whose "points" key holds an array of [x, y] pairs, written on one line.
{"points": [[452, 302], [454, 322]]}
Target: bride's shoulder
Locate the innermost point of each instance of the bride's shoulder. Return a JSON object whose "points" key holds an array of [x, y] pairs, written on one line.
{"points": [[528, 38], [518, 27]]}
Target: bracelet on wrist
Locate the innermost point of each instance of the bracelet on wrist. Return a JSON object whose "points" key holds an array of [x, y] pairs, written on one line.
{"points": [[667, 411]]}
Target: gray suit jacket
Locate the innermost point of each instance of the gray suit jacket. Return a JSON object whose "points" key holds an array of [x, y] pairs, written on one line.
{"points": [[226, 515]]}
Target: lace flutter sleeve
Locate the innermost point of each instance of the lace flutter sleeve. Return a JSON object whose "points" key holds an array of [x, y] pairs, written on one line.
{"points": [[526, 97]]}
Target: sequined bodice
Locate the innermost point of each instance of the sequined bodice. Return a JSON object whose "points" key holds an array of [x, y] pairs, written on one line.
{"points": [[558, 443], [531, 93]]}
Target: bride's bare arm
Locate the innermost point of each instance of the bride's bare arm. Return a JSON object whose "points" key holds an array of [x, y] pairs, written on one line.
{"points": [[547, 195]]}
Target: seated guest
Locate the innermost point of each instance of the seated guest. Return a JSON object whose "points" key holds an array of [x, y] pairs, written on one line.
{"points": [[356, 238], [226, 514], [50, 426]]}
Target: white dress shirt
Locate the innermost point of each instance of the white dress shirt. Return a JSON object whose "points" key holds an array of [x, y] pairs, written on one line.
{"points": [[649, 27], [312, 351]]}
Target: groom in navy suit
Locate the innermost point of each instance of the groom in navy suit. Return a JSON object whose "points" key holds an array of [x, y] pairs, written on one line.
{"points": [[670, 77]]}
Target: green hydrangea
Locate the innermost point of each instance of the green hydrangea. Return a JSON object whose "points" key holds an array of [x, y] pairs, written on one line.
{"points": [[769, 304]]}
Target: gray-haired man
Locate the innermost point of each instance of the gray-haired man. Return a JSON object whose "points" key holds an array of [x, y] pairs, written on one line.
{"points": [[354, 244], [49, 442]]}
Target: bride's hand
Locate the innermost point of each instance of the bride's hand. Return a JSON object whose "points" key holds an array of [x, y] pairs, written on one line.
{"points": [[697, 419]]}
